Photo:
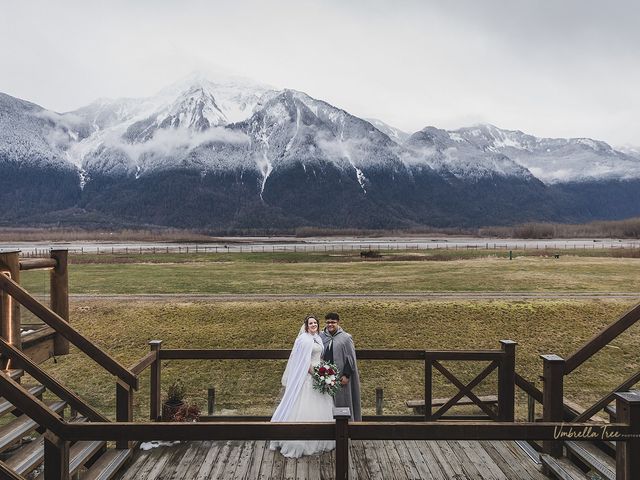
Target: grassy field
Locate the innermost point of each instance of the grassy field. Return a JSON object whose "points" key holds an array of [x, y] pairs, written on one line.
{"points": [[252, 387], [561, 327], [300, 273]]}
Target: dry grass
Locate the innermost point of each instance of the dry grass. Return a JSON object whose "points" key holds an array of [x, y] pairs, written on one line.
{"points": [[247, 386]]}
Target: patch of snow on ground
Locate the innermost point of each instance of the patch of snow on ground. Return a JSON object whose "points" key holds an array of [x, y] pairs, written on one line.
{"points": [[156, 443]]}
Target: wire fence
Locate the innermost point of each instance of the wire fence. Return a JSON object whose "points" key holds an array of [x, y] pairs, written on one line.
{"points": [[328, 247]]}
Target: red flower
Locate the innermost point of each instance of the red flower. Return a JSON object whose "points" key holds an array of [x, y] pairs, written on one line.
{"points": [[322, 370], [331, 372]]}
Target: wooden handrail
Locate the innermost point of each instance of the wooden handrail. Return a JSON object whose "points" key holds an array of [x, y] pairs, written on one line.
{"points": [[37, 263], [67, 331], [529, 388], [140, 366], [608, 398], [364, 354], [32, 406], [601, 339], [24, 362], [452, 430]]}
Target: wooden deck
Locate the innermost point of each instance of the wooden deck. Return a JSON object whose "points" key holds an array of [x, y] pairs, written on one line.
{"points": [[384, 460]]}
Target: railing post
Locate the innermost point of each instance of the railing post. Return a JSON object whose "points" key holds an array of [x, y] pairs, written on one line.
{"points": [[507, 382], [552, 396], [342, 416], [124, 408], [428, 386], [56, 457], [211, 400], [9, 308], [59, 293], [379, 400], [628, 452], [154, 389]]}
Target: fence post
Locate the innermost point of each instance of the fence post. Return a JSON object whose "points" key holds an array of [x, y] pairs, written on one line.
{"points": [[56, 457], [428, 386], [59, 293], [628, 452], [154, 389], [507, 382], [379, 400], [211, 401], [552, 396], [342, 416]]}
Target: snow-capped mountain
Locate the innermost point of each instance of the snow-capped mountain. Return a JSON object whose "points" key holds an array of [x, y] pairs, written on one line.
{"points": [[446, 152], [233, 153], [554, 160], [393, 133]]}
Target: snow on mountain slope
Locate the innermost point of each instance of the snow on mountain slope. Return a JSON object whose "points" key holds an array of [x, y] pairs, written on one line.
{"points": [[554, 160], [32, 135], [448, 152], [393, 133]]}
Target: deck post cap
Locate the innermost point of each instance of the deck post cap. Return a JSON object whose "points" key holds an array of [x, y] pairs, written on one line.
{"points": [[155, 342], [632, 396], [508, 342], [552, 358], [340, 413]]}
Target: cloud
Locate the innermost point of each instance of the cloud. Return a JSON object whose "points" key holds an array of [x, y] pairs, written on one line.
{"points": [[173, 142]]}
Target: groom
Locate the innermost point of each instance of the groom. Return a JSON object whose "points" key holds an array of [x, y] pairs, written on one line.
{"points": [[339, 349]]}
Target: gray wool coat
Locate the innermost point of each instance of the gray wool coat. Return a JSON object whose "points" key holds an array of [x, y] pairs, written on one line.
{"points": [[344, 352]]}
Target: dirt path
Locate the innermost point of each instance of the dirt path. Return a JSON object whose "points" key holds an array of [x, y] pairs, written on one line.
{"points": [[487, 296]]}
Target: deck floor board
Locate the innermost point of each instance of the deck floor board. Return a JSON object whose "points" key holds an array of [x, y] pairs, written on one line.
{"points": [[370, 460]]}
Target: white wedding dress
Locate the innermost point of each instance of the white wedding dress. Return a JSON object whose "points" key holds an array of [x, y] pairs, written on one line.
{"points": [[303, 404]]}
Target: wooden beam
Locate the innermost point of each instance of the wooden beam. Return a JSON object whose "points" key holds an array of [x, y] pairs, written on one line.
{"points": [[155, 381], [628, 453], [553, 406], [450, 430], [56, 457], [59, 295], [507, 382], [142, 364], [61, 326], [29, 404], [29, 366], [37, 263], [608, 398], [602, 338], [9, 309]]}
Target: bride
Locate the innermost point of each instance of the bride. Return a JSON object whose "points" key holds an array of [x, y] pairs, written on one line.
{"points": [[301, 403]]}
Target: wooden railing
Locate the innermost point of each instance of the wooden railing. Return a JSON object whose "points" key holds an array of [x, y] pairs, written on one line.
{"points": [[61, 326], [60, 433], [555, 369], [503, 360]]}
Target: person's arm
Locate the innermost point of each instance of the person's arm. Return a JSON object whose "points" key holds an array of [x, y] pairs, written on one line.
{"points": [[349, 361]]}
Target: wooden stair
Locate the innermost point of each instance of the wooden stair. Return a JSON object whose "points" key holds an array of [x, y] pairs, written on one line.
{"points": [[108, 465], [562, 468], [593, 458], [13, 432], [20, 459]]}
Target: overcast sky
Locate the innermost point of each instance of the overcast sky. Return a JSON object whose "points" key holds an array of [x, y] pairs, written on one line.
{"points": [[550, 68]]}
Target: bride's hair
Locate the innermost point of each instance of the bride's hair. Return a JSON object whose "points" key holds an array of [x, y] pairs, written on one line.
{"points": [[306, 322]]}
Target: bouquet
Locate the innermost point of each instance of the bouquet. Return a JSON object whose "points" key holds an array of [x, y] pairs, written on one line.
{"points": [[326, 378]]}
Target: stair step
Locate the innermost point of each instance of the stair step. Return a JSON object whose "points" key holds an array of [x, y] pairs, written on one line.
{"points": [[6, 406], [79, 454], [594, 458], [107, 465], [14, 431], [562, 468], [14, 373], [28, 457]]}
